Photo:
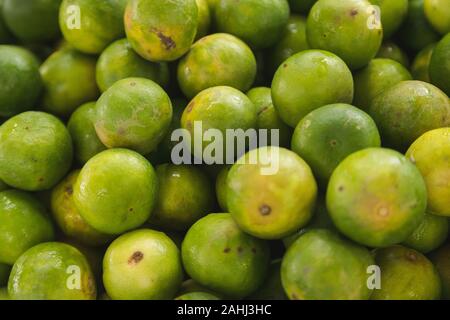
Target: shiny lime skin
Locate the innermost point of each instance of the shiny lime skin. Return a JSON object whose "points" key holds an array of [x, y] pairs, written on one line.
{"points": [[393, 13], [119, 61], [376, 197], [309, 80], [292, 41], [408, 109], [301, 6], [44, 273], [440, 65], [389, 50], [406, 275], [441, 259], [94, 26], [134, 113], [221, 187], [32, 21], [20, 81], [204, 18], [350, 29], [116, 191], [161, 30], [216, 60], [197, 296], [69, 81], [268, 117], [35, 151], [142, 265], [67, 216], [81, 128], [218, 108], [23, 224], [322, 266], [257, 22], [378, 75], [416, 32], [420, 68], [430, 153], [329, 134], [429, 235], [221, 257], [272, 288], [263, 196], [185, 195], [438, 14], [4, 273]]}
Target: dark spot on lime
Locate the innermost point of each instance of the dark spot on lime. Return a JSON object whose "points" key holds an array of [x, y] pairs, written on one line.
{"points": [[226, 250], [136, 258], [265, 210]]}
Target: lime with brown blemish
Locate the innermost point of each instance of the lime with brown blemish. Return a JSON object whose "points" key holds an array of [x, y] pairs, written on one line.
{"points": [[327, 135], [35, 151], [292, 41], [390, 50], [350, 29], [69, 81], [44, 273], [116, 191], [431, 155], [308, 80], [416, 32], [222, 108], [271, 192], [420, 68], [197, 296], [204, 18], [119, 61], [161, 30], [378, 75], [4, 273], [134, 113], [221, 257], [392, 13], [32, 21], [406, 275], [24, 223], [441, 259], [257, 22], [216, 60], [320, 265], [439, 67], [376, 197], [221, 187], [20, 81], [429, 235], [272, 288], [407, 110], [68, 217], [268, 117], [81, 127], [90, 26], [185, 195], [437, 13], [142, 265], [301, 6]]}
